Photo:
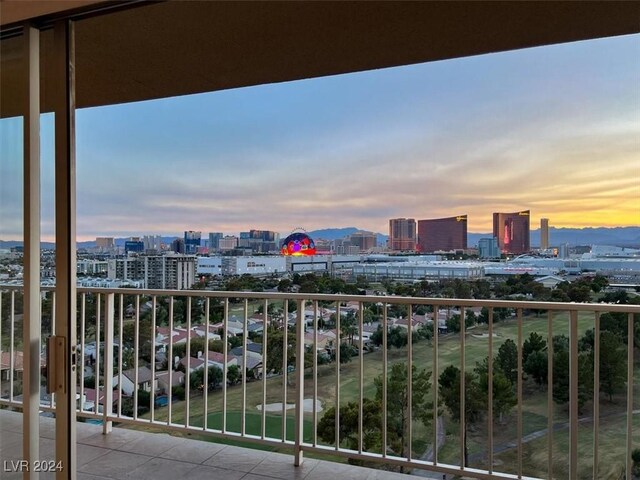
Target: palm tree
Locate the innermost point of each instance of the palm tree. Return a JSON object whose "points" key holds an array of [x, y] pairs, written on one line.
{"points": [[348, 327]]}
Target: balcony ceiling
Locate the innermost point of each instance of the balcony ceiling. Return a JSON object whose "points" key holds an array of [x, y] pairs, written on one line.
{"points": [[179, 48]]}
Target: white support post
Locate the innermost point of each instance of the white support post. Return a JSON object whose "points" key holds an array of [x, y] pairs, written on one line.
{"points": [[65, 220], [31, 318]]}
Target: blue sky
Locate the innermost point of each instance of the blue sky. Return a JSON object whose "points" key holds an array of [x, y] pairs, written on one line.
{"points": [[552, 129]]}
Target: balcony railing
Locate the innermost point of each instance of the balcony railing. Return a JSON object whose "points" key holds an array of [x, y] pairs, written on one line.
{"points": [[435, 388]]}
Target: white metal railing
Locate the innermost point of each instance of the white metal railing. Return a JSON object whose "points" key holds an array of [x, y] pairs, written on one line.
{"points": [[105, 314]]}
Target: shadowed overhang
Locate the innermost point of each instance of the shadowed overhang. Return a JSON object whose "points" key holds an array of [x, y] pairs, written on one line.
{"points": [[178, 48]]}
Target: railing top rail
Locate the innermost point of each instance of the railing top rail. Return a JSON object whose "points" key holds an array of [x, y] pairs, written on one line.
{"points": [[462, 302]]}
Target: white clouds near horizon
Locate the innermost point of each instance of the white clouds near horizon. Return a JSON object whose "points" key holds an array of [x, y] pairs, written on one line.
{"points": [[553, 129]]}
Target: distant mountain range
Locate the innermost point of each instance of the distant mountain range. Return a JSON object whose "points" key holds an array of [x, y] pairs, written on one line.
{"points": [[336, 233], [88, 244], [620, 236]]}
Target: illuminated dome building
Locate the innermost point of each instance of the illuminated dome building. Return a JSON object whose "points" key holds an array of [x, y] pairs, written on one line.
{"points": [[298, 243]]}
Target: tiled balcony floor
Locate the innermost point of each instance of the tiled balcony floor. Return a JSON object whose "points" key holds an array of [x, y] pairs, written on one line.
{"points": [[130, 454]]}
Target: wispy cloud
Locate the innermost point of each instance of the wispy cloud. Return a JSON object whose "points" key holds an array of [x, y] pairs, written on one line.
{"points": [[555, 130]]}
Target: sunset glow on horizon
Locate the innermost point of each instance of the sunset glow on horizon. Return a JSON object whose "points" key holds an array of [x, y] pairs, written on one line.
{"points": [[554, 130]]}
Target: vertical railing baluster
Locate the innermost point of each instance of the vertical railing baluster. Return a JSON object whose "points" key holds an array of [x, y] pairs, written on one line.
{"points": [[285, 372], [188, 378], [384, 380], [299, 408], [136, 349], [596, 393], [263, 415], [550, 394], [152, 402], [409, 381], [573, 394], [519, 390], [12, 351], [361, 374], [243, 419], [96, 376], [630, 339], [121, 351], [83, 313], [315, 373], [436, 378], [207, 311], [171, 364], [109, 313], [225, 351], [337, 420], [490, 392], [53, 312], [463, 407]]}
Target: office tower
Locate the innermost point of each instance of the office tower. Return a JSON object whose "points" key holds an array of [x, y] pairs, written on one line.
{"points": [[133, 245], [364, 241], [262, 241], [402, 234], [344, 246], [544, 233], [563, 251], [244, 240], [214, 238], [191, 242], [488, 248], [512, 231], [442, 234], [177, 245], [152, 242], [105, 243], [229, 242], [323, 246]]}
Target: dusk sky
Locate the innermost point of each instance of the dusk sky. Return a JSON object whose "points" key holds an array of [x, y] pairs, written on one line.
{"points": [[552, 129]]}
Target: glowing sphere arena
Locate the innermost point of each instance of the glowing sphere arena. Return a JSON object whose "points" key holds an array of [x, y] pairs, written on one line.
{"points": [[298, 244]]}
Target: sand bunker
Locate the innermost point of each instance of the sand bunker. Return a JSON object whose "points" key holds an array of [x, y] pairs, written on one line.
{"points": [[484, 335], [277, 407]]}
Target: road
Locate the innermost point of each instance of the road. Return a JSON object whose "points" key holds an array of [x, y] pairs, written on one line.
{"points": [[428, 454]]}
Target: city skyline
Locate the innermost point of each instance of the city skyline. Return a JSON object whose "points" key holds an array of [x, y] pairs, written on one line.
{"points": [[552, 129]]}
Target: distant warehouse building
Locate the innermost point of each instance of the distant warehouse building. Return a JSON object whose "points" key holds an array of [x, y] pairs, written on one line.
{"points": [[420, 270], [209, 266], [266, 265], [322, 263], [541, 266], [254, 265]]}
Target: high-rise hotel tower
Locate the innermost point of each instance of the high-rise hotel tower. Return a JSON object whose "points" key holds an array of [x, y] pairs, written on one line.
{"points": [[544, 233], [442, 234], [512, 231], [402, 234]]}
